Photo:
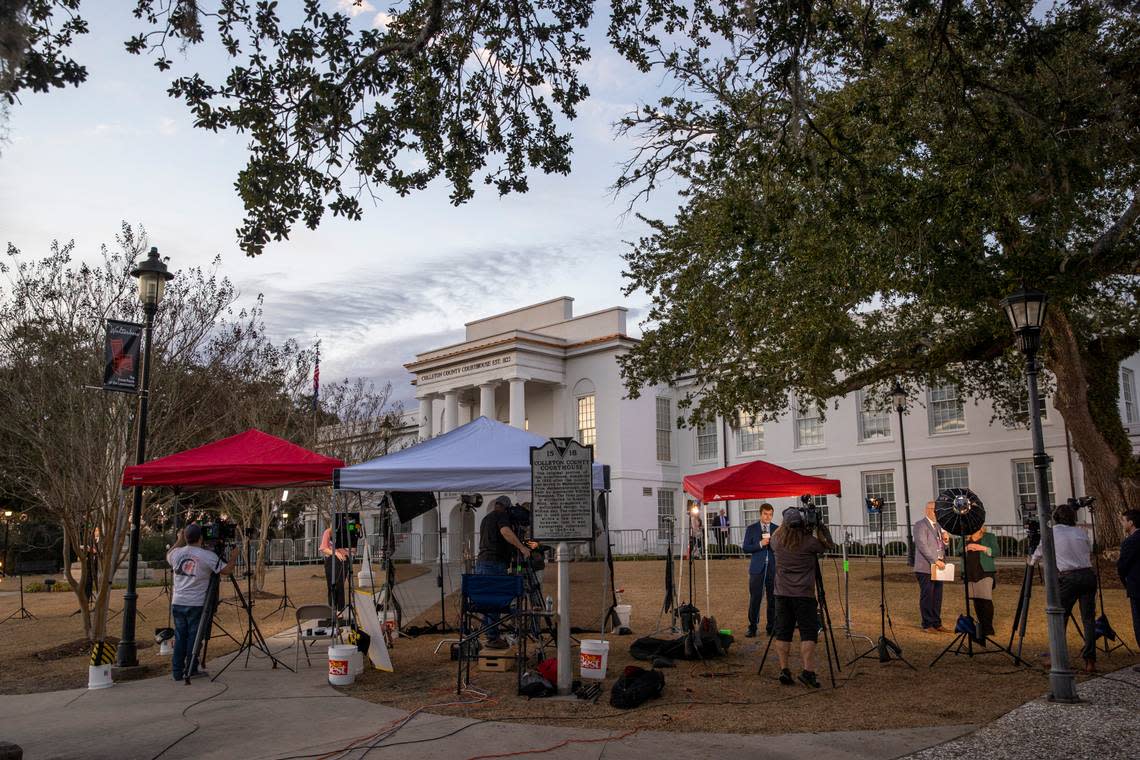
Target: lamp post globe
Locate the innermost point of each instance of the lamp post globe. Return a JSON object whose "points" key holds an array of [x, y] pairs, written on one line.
{"points": [[1026, 310], [899, 399], [152, 274]]}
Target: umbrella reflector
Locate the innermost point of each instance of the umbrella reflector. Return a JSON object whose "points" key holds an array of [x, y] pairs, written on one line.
{"points": [[959, 511]]}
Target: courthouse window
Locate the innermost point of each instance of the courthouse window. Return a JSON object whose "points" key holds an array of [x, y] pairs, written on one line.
{"points": [[664, 430], [881, 485], [809, 428], [706, 441], [1025, 487], [587, 427], [1128, 395], [951, 476], [749, 434], [944, 405], [665, 513], [874, 421]]}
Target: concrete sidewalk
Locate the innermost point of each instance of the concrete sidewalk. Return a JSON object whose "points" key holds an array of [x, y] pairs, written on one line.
{"points": [[263, 714]]}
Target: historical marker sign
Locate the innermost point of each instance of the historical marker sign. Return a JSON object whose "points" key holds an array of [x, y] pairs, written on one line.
{"points": [[562, 490]]}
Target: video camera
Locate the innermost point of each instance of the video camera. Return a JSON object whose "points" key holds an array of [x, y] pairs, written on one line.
{"points": [[216, 534], [1033, 533], [1084, 502], [812, 516], [471, 500]]}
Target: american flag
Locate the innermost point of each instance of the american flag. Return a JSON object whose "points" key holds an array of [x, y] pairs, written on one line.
{"points": [[317, 378]]}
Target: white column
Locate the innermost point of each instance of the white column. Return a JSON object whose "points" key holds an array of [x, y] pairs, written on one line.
{"points": [[425, 418], [487, 400], [450, 411], [518, 402], [561, 410]]}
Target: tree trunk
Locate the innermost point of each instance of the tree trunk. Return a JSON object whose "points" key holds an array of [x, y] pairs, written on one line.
{"points": [[1087, 396]]}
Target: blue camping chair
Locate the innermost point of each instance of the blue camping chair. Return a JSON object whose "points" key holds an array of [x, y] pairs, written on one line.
{"points": [[488, 595]]}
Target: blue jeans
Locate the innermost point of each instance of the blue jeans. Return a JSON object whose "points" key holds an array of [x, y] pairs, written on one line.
{"points": [[489, 567], [185, 629]]}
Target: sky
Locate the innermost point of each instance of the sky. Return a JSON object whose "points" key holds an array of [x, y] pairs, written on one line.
{"points": [[403, 280]]}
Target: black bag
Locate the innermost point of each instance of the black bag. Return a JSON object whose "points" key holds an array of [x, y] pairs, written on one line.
{"points": [[635, 687]]}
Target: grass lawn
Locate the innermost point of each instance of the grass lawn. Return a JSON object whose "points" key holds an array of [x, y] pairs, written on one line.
{"points": [[728, 695], [49, 653]]}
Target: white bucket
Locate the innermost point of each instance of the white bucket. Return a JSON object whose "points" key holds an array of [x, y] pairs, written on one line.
{"points": [[340, 665], [99, 677], [357, 661], [165, 649], [624, 611], [593, 658]]}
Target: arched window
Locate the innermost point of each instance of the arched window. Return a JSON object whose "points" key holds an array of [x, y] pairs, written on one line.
{"points": [[585, 407]]}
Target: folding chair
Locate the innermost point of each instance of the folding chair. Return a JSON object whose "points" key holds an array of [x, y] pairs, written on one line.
{"points": [[322, 613], [488, 595]]}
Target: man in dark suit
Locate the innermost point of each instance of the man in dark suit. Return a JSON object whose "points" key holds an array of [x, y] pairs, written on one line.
{"points": [[720, 523], [761, 569], [1128, 567], [929, 550]]}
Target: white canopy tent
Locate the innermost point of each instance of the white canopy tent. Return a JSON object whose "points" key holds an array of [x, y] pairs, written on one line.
{"points": [[481, 456]]}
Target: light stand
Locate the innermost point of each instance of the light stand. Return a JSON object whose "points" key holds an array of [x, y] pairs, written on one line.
{"points": [[898, 395], [286, 602], [885, 648], [23, 613], [152, 275], [1102, 622], [1026, 312]]}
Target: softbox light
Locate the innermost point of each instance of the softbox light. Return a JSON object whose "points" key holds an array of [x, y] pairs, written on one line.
{"points": [[411, 504], [959, 511]]}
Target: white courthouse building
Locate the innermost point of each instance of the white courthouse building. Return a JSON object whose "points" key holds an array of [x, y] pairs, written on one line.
{"points": [[546, 370]]}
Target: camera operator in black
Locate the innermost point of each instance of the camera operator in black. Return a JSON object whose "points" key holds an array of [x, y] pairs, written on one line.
{"points": [[497, 546], [796, 607]]}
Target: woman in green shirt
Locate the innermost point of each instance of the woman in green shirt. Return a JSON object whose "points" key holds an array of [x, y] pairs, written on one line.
{"points": [[981, 572]]}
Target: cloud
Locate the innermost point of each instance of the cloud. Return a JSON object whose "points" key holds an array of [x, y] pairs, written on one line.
{"points": [[167, 126], [383, 20], [355, 7]]}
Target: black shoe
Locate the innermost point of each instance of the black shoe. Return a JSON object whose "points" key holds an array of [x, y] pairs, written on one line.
{"points": [[786, 677], [751, 633], [807, 678]]}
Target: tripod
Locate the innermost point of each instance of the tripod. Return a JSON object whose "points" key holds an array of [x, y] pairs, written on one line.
{"points": [[967, 631], [253, 638], [885, 648], [1104, 630], [285, 602], [1021, 616], [23, 613], [830, 650]]}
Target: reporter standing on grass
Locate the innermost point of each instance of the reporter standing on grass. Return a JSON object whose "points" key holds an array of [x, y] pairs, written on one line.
{"points": [[930, 543], [1128, 567], [796, 551], [193, 566], [761, 570], [1075, 575]]}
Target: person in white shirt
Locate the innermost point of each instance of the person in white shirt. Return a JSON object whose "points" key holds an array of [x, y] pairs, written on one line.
{"points": [[193, 566], [1075, 576]]}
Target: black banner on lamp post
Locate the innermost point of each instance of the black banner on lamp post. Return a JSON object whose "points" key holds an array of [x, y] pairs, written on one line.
{"points": [[121, 356]]}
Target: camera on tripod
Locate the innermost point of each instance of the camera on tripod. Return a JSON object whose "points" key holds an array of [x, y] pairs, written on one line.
{"points": [[215, 535], [811, 514], [1084, 502], [471, 500]]}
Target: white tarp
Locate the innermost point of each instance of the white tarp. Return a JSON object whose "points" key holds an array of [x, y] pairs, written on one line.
{"points": [[482, 455]]}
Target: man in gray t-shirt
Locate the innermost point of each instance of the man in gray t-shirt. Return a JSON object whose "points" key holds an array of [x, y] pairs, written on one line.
{"points": [[193, 567]]}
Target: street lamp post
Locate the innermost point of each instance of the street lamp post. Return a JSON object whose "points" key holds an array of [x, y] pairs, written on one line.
{"points": [[4, 569], [898, 396], [1026, 312], [152, 275]]}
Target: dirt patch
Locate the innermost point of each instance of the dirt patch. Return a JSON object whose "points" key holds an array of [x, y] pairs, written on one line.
{"points": [[727, 694]]}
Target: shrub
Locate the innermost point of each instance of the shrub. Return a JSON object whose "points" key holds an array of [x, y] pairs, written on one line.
{"points": [[1008, 546], [152, 548], [895, 549]]}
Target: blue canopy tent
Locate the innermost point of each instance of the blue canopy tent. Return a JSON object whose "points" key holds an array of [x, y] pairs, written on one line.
{"points": [[481, 456]]}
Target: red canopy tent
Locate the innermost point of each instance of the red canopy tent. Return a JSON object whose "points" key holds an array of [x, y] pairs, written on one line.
{"points": [[252, 459], [755, 480]]}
